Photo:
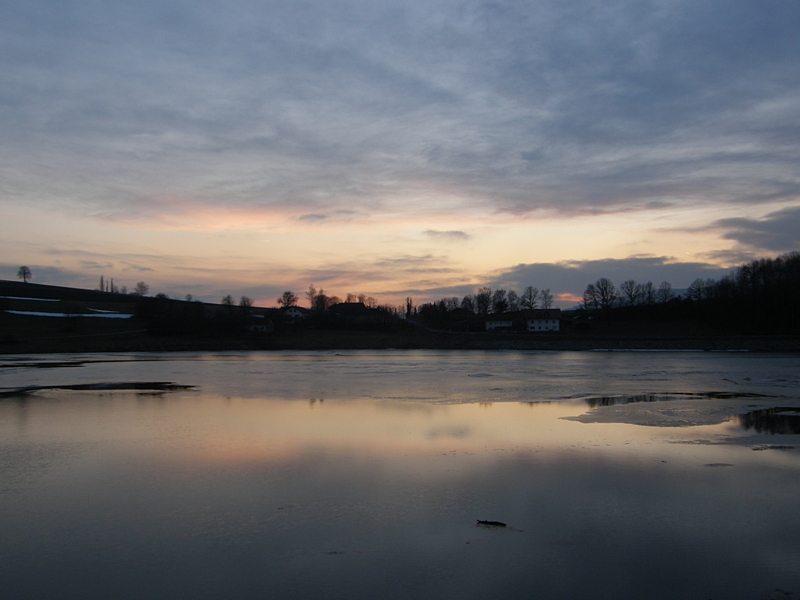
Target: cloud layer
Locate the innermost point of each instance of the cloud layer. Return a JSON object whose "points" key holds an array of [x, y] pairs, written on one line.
{"points": [[116, 108], [391, 142]]}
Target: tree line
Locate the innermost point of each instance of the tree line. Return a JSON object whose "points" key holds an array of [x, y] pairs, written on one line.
{"points": [[757, 297], [487, 301], [603, 294]]}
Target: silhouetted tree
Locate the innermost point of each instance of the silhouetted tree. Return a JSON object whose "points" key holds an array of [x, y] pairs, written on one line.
{"points": [[141, 289], [483, 300], [591, 298], [696, 291], [320, 302], [630, 292], [228, 301], [513, 301], [311, 295], [648, 293], [499, 301], [24, 273], [288, 299], [664, 292], [530, 297], [409, 307], [546, 298], [600, 295], [245, 303], [451, 303], [468, 303], [607, 292]]}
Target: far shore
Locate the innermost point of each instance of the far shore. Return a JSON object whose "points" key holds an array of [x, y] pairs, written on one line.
{"points": [[138, 341]]}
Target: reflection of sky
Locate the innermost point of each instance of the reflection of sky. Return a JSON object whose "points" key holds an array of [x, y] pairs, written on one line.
{"points": [[206, 496], [395, 148], [435, 376]]}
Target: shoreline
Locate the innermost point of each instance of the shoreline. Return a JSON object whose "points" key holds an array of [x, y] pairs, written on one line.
{"points": [[376, 340]]}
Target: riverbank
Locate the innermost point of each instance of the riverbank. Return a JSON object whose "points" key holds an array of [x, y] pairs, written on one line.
{"points": [[141, 341]]}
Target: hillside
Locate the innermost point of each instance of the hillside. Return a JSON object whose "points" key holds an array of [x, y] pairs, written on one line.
{"points": [[38, 318]]}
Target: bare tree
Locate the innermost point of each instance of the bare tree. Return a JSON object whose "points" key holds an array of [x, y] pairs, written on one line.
{"points": [[311, 295], [697, 289], [141, 289], [24, 273], [606, 291], [546, 298], [499, 301], [530, 297], [468, 303], [630, 292], [409, 307], [513, 301], [245, 302], [320, 302], [228, 301], [701, 289], [483, 300], [648, 293], [710, 289], [591, 298], [351, 298], [288, 299], [664, 292]]}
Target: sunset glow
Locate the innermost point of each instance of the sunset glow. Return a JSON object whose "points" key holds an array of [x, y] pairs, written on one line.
{"points": [[400, 149]]}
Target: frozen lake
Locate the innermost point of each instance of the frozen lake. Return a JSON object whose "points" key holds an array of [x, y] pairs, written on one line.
{"points": [[363, 474]]}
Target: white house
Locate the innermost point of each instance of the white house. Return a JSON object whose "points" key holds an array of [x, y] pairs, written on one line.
{"points": [[499, 324], [294, 313], [546, 319]]}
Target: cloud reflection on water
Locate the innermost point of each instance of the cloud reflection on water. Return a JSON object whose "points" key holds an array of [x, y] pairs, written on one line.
{"points": [[201, 493]]}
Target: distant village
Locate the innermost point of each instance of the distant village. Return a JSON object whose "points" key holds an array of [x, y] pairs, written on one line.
{"points": [[757, 298]]}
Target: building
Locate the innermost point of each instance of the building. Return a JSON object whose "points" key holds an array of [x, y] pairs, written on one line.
{"points": [[545, 319], [499, 323], [295, 313]]}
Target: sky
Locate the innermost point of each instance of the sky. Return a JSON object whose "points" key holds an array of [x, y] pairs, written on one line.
{"points": [[396, 149]]}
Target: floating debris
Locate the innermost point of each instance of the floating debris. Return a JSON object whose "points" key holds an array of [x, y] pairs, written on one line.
{"points": [[492, 523]]}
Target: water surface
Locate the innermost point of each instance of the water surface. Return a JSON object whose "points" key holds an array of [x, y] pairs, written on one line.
{"points": [[363, 475]]}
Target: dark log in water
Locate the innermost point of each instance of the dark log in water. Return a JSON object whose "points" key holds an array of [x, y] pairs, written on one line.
{"points": [[492, 523]]}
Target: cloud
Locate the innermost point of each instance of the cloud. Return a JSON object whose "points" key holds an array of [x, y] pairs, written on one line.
{"points": [[313, 217], [450, 236], [777, 232], [515, 107], [573, 276]]}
